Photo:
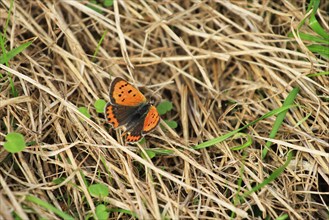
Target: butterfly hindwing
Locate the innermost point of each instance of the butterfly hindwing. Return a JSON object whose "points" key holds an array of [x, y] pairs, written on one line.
{"points": [[123, 93], [118, 115], [148, 120], [151, 120], [136, 133]]}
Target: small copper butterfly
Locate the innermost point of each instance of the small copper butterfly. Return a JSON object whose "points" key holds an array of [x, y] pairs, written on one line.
{"points": [[129, 108]]}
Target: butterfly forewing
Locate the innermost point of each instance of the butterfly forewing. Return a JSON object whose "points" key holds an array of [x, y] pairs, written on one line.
{"points": [[123, 93]]}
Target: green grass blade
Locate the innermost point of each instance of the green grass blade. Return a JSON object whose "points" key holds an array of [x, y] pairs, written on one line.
{"points": [[309, 37], [272, 177], [5, 57], [302, 120], [8, 17], [244, 145], [160, 151], [315, 5], [322, 50], [316, 27], [3, 50], [277, 124], [318, 74], [98, 46], [237, 199], [49, 207], [230, 134], [318, 49]]}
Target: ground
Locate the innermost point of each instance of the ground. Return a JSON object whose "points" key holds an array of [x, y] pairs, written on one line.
{"points": [[242, 88]]}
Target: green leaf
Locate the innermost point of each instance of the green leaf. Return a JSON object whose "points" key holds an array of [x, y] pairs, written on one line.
{"points": [[100, 105], [92, 6], [98, 190], [101, 212], [171, 124], [15, 142], [5, 57], [164, 107], [149, 153], [108, 3], [84, 111]]}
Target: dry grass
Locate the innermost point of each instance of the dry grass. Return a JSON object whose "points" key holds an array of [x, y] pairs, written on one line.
{"points": [[201, 55]]}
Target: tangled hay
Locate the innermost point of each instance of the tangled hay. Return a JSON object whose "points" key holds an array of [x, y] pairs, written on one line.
{"points": [[222, 65]]}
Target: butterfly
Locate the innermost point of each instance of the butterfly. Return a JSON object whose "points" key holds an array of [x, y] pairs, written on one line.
{"points": [[129, 108]]}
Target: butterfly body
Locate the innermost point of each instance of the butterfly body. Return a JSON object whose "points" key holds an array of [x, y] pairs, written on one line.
{"points": [[129, 108]]}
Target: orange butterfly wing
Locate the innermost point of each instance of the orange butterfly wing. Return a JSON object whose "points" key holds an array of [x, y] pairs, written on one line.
{"points": [[111, 115], [133, 138], [123, 93], [152, 119], [150, 122], [125, 103]]}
